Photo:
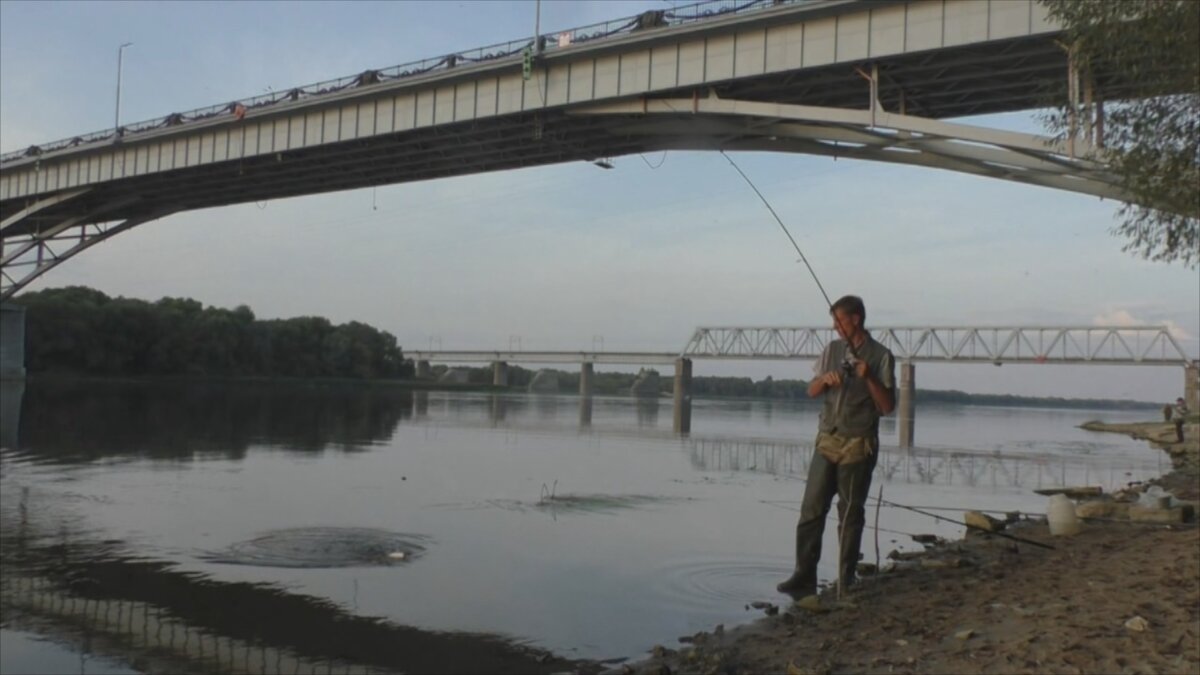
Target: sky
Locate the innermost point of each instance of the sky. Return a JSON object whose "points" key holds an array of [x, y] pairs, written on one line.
{"points": [[571, 256]]}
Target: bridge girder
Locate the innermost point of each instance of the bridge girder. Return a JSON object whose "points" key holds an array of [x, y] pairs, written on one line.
{"points": [[31, 238], [721, 124]]}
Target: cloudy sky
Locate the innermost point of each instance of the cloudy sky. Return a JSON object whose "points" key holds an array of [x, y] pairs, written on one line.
{"points": [[561, 257]]}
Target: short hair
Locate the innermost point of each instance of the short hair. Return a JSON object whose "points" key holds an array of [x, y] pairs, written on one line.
{"points": [[850, 304]]}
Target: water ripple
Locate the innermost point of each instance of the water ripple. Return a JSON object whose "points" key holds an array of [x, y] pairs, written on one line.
{"points": [[709, 581], [321, 547]]}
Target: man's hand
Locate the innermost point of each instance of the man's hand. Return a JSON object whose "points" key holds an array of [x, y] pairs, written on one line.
{"points": [[860, 368], [832, 379]]}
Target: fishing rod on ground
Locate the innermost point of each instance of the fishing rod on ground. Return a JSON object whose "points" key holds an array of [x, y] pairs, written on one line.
{"points": [[969, 526], [781, 504]]}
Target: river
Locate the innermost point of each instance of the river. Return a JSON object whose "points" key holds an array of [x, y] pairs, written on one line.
{"points": [[590, 531]]}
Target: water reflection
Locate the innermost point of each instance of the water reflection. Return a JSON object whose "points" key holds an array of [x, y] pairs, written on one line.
{"points": [[73, 421], [927, 466], [647, 411], [585, 412], [11, 394], [62, 583], [633, 509]]}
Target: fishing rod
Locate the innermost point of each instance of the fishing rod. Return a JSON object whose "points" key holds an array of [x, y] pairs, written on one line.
{"points": [[969, 525], [803, 258]]}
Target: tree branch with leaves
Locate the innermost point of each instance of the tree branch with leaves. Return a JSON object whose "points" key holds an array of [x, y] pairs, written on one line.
{"points": [[1140, 60]]}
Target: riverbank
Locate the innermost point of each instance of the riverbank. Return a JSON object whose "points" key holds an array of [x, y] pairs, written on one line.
{"points": [[1120, 597]]}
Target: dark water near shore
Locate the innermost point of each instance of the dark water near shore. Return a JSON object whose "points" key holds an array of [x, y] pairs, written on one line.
{"points": [[249, 519]]}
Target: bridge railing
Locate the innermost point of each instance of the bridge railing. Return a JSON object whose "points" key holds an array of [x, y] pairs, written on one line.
{"points": [[700, 11], [1116, 345]]}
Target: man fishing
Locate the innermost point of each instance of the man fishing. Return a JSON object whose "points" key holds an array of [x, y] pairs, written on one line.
{"points": [[857, 377]]}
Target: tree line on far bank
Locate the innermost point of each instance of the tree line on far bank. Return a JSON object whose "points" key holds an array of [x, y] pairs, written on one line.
{"points": [[82, 331]]}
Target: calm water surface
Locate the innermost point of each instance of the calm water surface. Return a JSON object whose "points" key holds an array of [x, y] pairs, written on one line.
{"points": [[205, 513]]}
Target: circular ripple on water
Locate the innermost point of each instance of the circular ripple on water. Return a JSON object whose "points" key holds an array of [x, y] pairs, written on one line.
{"points": [[712, 582], [315, 547]]}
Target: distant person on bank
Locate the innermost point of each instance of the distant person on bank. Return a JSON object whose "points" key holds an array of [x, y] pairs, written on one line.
{"points": [[858, 385], [1181, 411]]}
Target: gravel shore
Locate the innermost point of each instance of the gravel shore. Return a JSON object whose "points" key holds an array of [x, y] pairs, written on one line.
{"points": [[1119, 597]]}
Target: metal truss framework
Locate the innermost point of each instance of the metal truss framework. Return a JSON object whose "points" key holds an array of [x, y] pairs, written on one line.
{"points": [[31, 245], [721, 124], [1096, 345]]}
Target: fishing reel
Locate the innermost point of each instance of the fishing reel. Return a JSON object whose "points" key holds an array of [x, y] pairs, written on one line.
{"points": [[847, 367]]}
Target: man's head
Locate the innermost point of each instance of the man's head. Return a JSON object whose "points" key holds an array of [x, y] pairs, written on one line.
{"points": [[849, 314], [1179, 400]]}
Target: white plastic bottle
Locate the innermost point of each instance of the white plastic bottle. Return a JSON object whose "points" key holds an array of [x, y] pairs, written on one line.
{"points": [[1061, 516]]}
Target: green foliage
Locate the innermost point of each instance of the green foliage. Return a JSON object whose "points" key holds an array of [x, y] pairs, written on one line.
{"points": [[82, 331], [1143, 57]]}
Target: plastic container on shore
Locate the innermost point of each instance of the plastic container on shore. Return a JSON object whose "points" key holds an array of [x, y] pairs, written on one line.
{"points": [[1061, 516]]}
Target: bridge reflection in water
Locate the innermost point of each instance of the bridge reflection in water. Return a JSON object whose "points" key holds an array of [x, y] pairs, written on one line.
{"points": [[97, 596], [920, 465], [929, 466]]}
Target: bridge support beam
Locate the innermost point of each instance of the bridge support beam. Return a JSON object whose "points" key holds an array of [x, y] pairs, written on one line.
{"points": [[499, 373], [1191, 385], [683, 396], [586, 373], [906, 406], [424, 372]]}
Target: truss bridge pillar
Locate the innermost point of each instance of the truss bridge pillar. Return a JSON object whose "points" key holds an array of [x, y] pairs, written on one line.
{"points": [[906, 406], [424, 372], [683, 396], [1191, 385], [499, 373]]}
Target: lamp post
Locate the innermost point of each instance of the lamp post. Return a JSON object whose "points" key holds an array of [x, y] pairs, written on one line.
{"points": [[117, 117]]}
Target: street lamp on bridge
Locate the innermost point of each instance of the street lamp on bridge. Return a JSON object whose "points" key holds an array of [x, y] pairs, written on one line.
{"points": [[117, 116]]}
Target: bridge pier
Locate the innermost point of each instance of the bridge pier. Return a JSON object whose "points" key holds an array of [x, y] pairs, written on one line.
{"points": [[500, 373], [586, 373], [683, 396], [906, 406], [12, 342], [424, 372], [1191, 385]]}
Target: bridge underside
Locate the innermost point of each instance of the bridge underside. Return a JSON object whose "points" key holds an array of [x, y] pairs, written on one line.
{"points": [[823, 111]]}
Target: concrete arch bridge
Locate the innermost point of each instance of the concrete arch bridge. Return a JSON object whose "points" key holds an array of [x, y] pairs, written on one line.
{"points": [[843, 78]]}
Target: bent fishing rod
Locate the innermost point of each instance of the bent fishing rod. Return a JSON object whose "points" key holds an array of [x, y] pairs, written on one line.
{"points": [[853, 351]]}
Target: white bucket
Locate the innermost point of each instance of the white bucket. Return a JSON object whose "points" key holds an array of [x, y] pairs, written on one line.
{"points": [[1061, 516]]}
